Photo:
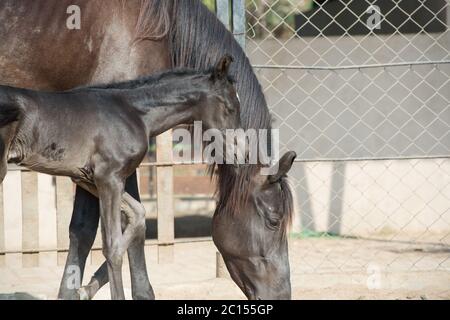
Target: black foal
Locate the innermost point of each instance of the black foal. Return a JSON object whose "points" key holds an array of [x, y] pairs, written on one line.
{"points": [[99, 135]]}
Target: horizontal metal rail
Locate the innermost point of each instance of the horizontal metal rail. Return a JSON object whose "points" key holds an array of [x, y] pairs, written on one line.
{"points": [[148, 243], [167, 164], [372, 159], [350, 67]]}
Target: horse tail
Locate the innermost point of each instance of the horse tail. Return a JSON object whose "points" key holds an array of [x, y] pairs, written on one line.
{"points": [[9, 113]]}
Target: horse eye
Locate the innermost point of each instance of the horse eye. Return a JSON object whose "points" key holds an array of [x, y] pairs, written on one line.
{"points": [[273, 221], [271, 216]]}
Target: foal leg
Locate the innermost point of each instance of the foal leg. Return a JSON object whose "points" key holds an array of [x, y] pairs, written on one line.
{"points": [[133, 226], [140, 284], [83, 228], [110, 191]]}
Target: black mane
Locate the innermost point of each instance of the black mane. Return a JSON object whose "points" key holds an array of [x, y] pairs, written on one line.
{"points": [[156, 79], [149, 80]]}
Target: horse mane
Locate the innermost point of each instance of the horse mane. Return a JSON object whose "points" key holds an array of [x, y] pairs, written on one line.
{"points": [[158, 26], [197, 40]]}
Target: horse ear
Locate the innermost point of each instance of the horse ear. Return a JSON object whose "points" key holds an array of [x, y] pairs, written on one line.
{"points": [[222, 67], [284, 165]]}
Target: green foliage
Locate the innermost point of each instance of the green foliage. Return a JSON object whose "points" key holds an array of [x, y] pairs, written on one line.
{"points": [[307, 234], [270, 17], [211, 4], [274, 17]]}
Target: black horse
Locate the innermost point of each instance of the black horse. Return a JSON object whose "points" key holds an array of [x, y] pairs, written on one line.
{"points": [[120, 40], [98, 136]]}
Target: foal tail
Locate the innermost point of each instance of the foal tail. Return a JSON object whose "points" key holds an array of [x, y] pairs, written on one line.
{"points": [[9, 113]]}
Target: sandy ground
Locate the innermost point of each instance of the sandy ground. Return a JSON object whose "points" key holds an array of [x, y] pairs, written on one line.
{"points": [[320, 269]]}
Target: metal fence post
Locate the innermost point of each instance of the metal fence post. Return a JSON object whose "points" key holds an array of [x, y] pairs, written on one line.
{"points": [[223, 12], [239, 21]]}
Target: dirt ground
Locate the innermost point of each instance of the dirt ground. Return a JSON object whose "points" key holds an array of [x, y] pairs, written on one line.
{"points": [[320, 269]]}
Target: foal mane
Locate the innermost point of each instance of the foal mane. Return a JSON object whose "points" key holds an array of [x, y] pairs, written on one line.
{"points": [[182, 75], [197, 40], [155, 79]]}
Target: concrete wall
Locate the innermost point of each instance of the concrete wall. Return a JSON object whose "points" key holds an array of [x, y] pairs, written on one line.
{"points": [[396, 199], [367, 113], [390, 112]]}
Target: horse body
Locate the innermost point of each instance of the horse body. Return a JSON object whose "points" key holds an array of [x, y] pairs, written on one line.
{"points": [[38, 50], [120, 40], [114, 127]]}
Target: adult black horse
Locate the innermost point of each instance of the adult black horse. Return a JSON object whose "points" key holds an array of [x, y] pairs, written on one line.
{"points": [[119, 40]]}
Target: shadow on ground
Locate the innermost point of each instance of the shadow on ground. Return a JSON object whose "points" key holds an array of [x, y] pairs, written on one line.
{"points": [[185, 227], [18, 296]]}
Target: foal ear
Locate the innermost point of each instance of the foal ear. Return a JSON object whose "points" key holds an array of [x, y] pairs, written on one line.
{"points": [[222, 67], [284, 165]]}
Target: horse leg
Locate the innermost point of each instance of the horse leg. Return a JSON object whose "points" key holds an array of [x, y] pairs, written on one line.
{"points": [[110, 191], [83, 228]]}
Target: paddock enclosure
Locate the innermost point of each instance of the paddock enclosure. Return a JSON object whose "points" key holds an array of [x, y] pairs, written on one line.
{"points": [[360, 89]]}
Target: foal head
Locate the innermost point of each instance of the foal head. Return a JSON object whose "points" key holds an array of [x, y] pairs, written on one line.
{"points": [[219, 106]]}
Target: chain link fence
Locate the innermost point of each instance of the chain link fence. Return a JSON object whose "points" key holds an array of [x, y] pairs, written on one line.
{"points": [[360, 90]]}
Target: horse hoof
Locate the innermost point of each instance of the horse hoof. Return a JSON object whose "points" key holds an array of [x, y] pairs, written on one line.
{"points": [[83, 293]]}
